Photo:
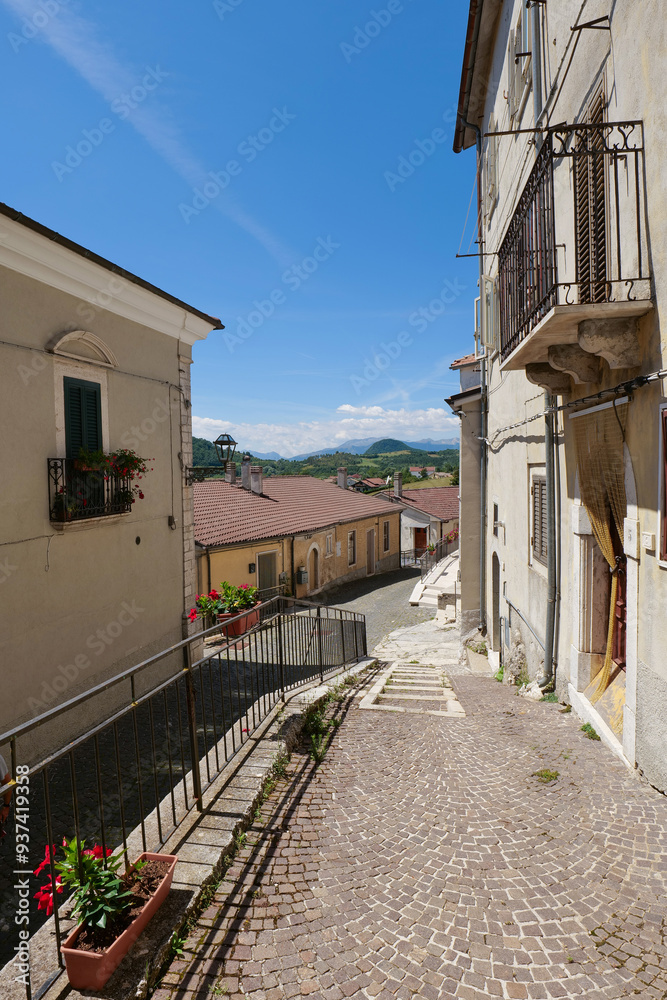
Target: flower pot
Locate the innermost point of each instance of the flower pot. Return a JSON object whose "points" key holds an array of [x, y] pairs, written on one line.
{"points": [[90, 970], [249, 620]]}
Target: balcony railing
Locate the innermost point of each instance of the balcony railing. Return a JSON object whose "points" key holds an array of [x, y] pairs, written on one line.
{"points": [[77, 493], [578, 234]]}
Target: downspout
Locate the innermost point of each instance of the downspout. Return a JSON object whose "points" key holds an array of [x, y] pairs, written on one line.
{"points": [[483, 396], [547, 678], [293, 580]]}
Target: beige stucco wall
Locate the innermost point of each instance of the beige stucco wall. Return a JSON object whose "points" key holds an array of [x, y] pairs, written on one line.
{"points": [[81, 601], [231, 562], [469, 515], [630, 60]]}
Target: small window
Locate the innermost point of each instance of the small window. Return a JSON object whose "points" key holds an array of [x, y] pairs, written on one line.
{"points": [[539, 539], [329, 545], [385, 536], [495, 519], [351, 548]]}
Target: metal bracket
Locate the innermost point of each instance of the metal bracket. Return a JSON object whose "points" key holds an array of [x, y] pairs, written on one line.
{"points": [[201, 472], [596, 23], [518, 55]]}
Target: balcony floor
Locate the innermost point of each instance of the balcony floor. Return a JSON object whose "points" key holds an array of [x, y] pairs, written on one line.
{"points": [[561, 326]]}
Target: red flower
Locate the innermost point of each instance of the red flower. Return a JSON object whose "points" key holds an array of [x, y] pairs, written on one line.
{"points": [[45, 895], [193, 615], [243, 586], [97, 852], [214, 594], [47, 859], [141, 496]]}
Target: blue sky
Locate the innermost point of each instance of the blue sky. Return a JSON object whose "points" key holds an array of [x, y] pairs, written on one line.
{"points": [[275, 165]]}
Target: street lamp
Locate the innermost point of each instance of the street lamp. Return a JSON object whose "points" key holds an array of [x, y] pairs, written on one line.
{"points": [[225, 446]]}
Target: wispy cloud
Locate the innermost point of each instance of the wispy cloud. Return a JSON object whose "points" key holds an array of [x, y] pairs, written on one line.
{"points": [[353, 422], [76, 41]]}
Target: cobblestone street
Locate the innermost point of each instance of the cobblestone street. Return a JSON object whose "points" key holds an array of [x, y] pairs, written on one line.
{"points": [[384, 601], [425, 858]]}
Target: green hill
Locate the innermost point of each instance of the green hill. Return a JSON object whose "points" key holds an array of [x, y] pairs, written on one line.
{"points": [[386, 446]]}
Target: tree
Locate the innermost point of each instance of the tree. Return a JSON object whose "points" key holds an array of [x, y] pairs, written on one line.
{"points": [[454, 481]]}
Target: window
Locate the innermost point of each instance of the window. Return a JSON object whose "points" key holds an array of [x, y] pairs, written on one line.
{"points": [[491, 170], [590, 208], [539, 539], [351, 548], [489, 308], [83, 416], [385, 536], [329, 545], [495, 519], [519, 65]]}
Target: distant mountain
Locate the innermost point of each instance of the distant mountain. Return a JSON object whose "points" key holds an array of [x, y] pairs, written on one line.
{"points": [[204, 453], [386, 446], [270, 455], [360, 446]]}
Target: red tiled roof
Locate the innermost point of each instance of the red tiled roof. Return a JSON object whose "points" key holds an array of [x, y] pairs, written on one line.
{"points": [[374, 481], [440, 501], [469, 359], [290, 505]]}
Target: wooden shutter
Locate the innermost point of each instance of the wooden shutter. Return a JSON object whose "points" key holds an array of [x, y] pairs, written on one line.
{"points": [[540, 519], [590, 208], [83, 416]]}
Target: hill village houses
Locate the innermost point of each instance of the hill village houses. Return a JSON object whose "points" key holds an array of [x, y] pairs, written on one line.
{"points": [[564, 423]]}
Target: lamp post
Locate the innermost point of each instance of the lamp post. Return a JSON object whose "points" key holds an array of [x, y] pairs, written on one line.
{"points": [[225, 447]]}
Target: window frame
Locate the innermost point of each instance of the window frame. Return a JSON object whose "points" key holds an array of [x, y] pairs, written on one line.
{"points": [[520, 79], [329, 546], [352, 548], [66, 368], [386, 536]]}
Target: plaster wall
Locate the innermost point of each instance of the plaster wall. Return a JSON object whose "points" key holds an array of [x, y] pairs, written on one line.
{"points": [[81, 601]]}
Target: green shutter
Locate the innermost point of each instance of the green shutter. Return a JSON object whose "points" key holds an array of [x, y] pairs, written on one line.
{"points": [[83, 416]]}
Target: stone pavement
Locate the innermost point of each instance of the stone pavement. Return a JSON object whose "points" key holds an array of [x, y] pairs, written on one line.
{"points": [[425, 858]]}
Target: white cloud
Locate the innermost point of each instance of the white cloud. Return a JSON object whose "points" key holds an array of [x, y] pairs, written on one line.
{"points": [[75, 41], [354, 422]]}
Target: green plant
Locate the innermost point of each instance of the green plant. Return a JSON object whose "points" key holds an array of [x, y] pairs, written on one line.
{"points": [[499, 674], [523, 677], [99, 894], [120, 464], [566, 710], [414, 661], [551, 697], [589, 732], [177, 944], [478, 647], [545, 775], [220, 989]]}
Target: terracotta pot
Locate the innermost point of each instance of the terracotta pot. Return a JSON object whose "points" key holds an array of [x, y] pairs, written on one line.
{"points": [[248, 621], [89, 970]]}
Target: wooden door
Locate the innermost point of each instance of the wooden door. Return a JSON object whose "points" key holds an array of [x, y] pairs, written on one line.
{"points": [[420, 541], [266, 571]]}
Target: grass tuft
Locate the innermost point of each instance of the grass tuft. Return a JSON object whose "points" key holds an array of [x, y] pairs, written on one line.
{"points": [[589, 732], [545, 775]]}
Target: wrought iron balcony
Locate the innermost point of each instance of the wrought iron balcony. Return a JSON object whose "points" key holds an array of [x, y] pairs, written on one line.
{"points": [[576, 246], [77, 493]]}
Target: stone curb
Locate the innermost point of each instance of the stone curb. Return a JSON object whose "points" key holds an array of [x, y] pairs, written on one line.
{"points": [[203, 842]]}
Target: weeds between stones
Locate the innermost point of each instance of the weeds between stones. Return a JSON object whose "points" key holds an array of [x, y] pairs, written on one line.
{"points": [[545, 775], [551, 697], [589, 732], [499, 674]]}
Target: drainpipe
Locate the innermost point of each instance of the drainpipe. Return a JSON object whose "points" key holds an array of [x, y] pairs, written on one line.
{"points": [[208, 568], [483, 393], [547, 678], [293, 580], [536, 63]]}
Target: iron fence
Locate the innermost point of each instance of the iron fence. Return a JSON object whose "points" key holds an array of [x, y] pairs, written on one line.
{"points": [[431, 558], [137, 774], [76, 493], [578, 233]]}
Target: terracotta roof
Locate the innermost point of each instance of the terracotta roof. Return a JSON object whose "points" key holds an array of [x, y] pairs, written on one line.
{"points": [[440, 501], [290, 505], [469, 359], [374, 481]]}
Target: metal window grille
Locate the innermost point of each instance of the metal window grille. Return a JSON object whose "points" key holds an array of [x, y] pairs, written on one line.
{"points": [[539, 491]]}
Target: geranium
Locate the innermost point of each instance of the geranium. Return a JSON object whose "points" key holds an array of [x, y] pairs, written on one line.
{"points": [[48, 853], [98, 851], [45, 895], [193, 614]]}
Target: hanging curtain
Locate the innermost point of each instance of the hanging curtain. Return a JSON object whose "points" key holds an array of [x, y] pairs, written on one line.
{"points": [[599, 437]]}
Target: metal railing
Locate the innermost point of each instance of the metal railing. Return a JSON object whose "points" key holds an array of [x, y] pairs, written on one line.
{"points": [[138, 773], [76, 493], [441, 550], [578, 234]]}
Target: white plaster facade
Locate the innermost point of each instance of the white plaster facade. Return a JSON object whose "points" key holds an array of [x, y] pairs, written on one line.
{"points": [[622, 58]]}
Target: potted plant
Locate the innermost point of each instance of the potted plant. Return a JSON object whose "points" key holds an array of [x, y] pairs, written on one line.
{"points": [[226, 604], [207, 607], [111, 909], [122, 464], [66, 505]]}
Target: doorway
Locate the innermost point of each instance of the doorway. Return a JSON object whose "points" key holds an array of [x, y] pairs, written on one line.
{"points": [[266, 571], [370, 552], [420, 541], [314, 570]]}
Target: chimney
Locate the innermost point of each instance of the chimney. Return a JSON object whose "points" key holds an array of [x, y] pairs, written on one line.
{"points": [[342, 478], [245, 472], [256, 479], [398, 484], [230, 473]]}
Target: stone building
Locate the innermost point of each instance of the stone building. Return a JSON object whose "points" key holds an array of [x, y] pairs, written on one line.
{"points": [[564, 107]]}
